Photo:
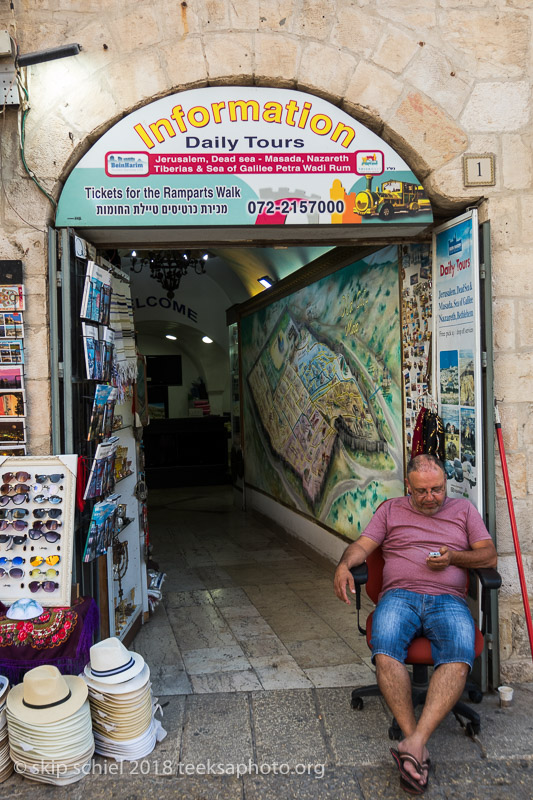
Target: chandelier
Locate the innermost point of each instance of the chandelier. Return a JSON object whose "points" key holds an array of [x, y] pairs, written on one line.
{"points": [[167, 267]]}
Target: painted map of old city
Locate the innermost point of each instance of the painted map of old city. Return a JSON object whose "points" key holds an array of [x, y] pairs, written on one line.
{"points": [[322, 400]]}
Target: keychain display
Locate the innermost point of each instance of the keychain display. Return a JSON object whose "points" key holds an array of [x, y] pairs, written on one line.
{"points": [[37, 497]]}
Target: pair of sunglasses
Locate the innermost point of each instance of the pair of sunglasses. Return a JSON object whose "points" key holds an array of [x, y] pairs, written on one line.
{"points": [[46, 586], [47, 490], [14, 572], [18, 488], [43, 498], [55, 478], [50, 573], [36, 561], [50, 524], [22, 477], [50, 536], [6, 537], [15, 498], [55, 513], [17, 561], [17, 525], [14, 513]]}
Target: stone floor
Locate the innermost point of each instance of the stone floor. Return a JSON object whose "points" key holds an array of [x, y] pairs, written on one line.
{"points": [[253, 658], [242, 610]]}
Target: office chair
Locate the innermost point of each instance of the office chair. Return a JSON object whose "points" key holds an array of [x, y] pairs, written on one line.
{"points": [[419, 653]]}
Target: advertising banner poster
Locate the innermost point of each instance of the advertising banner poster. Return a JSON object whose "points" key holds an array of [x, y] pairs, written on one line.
{"points": [[458, 354], [241, 156]]}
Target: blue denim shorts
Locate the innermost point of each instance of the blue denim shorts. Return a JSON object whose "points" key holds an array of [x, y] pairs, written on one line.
{"points": [[444, 619]]}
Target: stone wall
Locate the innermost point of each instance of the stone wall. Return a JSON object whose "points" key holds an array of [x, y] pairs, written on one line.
{"points": [[435, 78]]}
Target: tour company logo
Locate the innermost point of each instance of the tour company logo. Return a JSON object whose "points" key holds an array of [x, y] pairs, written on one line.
{"points": [[369, 162], [455, 245], [126, 164]]}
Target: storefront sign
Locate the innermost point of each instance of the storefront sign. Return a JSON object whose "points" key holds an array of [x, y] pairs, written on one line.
{"points": [[458, 353], [241, 156]]}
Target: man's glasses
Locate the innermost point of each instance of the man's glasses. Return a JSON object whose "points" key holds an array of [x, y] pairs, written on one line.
{"points": [[420, 493], [50, 536], [46, 586]]}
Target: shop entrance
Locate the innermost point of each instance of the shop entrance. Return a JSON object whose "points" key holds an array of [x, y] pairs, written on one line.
{"points": [[236, 186]]}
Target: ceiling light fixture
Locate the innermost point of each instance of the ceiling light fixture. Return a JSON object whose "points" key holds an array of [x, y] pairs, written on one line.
{"points": [[207, 340], [53, 53], [168, 267], [172, 338], [266, 281]]}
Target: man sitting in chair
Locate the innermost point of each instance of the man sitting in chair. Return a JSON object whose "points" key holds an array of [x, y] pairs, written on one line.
{"points": [[428, 541]]}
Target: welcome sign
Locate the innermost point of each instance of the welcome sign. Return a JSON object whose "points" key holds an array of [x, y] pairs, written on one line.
{"points": [[240, 156]]}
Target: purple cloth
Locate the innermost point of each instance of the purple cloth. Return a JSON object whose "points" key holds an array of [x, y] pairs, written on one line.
{"points": [[74, 628], [407, 536]]}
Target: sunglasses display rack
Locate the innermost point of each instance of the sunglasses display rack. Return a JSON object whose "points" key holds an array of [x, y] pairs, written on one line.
{"points": [[37, 497]]}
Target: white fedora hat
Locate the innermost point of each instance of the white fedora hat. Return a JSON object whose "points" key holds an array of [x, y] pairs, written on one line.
{"points": [[112, 663], [109, 690], [45, 695]]}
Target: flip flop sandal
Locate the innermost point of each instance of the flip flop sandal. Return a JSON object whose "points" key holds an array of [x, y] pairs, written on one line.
{"points": [[411, 788], [406, 777]]}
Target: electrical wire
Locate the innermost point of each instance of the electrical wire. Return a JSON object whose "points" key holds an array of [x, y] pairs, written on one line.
{"points": [[25, 107], [25, 112]]}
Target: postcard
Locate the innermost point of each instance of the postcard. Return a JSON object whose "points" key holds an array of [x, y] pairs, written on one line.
{"points": [[11, 351], [12, 298], [12, 404], [12, 432], [11, 378], [11, 325]]}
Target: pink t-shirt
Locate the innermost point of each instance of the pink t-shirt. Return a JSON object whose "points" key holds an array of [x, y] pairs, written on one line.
{"points": [[407, 537]]}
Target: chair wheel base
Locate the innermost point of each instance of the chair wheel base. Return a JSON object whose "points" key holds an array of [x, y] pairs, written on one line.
{"points": [[395, 733], [472, 729]]}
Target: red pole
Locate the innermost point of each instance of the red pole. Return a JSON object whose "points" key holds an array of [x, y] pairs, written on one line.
{"points": [[514, 530]]}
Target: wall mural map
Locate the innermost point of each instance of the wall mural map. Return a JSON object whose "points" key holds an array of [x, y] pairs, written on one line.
{"points": [[322, 401]]}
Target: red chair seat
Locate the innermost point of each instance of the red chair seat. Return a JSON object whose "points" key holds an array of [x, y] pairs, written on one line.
{"points": [[419, 651]]}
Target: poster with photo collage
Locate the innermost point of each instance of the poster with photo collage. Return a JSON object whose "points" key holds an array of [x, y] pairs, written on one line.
{"points": [[12, 394], [37, 497], [416, 282], [458, 355]]}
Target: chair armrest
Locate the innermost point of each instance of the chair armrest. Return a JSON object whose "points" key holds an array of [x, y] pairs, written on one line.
{"points": [[360, 573], [489, 577]]}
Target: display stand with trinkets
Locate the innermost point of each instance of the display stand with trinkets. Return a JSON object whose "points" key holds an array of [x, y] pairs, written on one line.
{"points": [[37, 496]]}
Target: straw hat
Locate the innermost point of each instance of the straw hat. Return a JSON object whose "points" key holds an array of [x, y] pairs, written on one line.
{"points": [[4, 687], [112, 663], [45, 696]]}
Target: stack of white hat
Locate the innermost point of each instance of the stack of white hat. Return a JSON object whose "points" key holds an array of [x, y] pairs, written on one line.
{"points": [[49, 725], [122, 705], [6, 765]]}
